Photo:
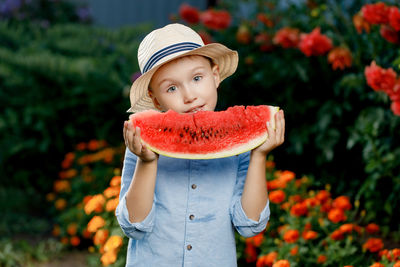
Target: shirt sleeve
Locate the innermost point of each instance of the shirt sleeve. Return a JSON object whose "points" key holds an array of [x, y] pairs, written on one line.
{"points": [[243, 224], [132, 230]]}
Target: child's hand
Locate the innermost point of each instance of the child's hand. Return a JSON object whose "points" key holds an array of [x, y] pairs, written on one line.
{"points": [[275, 138], [132, 141]]}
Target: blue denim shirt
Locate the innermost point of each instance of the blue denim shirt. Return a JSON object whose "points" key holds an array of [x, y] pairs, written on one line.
{"points": [[196, 207]]}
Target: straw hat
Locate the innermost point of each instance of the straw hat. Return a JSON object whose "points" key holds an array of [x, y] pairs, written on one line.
{"points": [[166, 44]]}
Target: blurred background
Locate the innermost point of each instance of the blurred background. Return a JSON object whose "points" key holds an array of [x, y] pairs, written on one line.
{"points": [[65, 72]]}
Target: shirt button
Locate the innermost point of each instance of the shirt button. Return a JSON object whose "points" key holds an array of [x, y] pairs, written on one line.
{"points": [[194, 186], [189, 247], [191, 217]]}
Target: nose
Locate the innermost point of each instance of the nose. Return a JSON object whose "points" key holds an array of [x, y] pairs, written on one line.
{"points": [[188, 95]]}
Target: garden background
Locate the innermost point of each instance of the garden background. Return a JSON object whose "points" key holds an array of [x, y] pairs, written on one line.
{"points": [[332, 66]]}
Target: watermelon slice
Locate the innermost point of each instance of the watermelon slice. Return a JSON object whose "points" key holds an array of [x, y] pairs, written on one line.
{"points": [[205, 134]]}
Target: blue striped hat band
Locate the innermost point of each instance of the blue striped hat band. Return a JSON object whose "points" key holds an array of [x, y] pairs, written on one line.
{"points": [[156, 57]]}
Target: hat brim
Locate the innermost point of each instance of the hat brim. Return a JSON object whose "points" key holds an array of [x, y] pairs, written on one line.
{"points": [[226, 59]]}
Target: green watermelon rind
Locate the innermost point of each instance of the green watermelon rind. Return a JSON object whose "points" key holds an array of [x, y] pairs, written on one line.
{"points": [[255, 142]]}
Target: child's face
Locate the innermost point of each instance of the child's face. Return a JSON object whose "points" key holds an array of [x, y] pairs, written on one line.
{"points": [[185, 85]]}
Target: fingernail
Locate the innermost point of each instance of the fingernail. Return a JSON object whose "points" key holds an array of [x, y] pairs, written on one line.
{"points": [[268, 124]]}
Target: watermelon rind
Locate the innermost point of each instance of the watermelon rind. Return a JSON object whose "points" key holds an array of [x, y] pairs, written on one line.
{"points": [[222, 153]]}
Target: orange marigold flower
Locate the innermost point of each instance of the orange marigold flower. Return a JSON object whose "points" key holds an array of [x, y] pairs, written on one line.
{"points": [[267, 260], [86, 234], [307, 226], [397, 264], [277, 196], [287, 37], [112, 204], [65, 240], [111, 191], [113, 243], [93, 145], [337, 235], [75, 241], [250, 252], [287, 176], [265, 19], [108, 258], [314, 43], [299, 209], [56, 230], [275, 184], [308, 235], [295, 198], [311, 202], [372, 228], [50, 197], [270, 164], [95, 223], [61, 186], [376, 13], [115, 181], [323, 196], [361, 24], [291, 236], [294, 250], [373, 245], [346, 228], [336, 215], [68, 174], [96, 204], [377, 264], [326, 207], [100, 237], [342, 202], [396, 253], [321, 259], [281, 263], [72, 228], [81, 146], [68, 159], [60, 204], [340, 58], [256, 240]]}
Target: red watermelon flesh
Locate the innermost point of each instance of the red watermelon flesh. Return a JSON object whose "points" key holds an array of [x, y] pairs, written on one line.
{"points": [[205, 134]]}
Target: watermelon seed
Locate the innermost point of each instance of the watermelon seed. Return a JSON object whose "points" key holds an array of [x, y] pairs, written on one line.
{"points": [[181, 135], [165, 129]]}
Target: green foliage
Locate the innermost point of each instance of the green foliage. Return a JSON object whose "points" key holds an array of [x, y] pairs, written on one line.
{"points": [[327, 111], [60, 85]]}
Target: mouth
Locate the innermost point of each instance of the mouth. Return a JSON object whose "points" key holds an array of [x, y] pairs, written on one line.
{"points": [[195, 109]]}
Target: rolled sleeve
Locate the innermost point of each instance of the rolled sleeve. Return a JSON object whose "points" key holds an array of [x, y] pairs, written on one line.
{"points": [[243, 224], [132, 230]]}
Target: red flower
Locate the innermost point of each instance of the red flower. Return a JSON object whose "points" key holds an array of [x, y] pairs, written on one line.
{"points": [[340, 57], [323, 196], [299, 209], [314, 43], [189, 14], [372, 228], [395, 107], [281, 263], [287, 37], [376, 13], [264, 40], [256, 240], [379, 78], [361, 24], [250, 252], [216, 20], [277, 196], [336, 215], [342, 202], [291, 236], [394, 18], [389, 34], [373, 245], [377, 264]]}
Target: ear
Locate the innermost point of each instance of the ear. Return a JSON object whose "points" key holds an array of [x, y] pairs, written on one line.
{"points": [[217, 77], [154, 99]]}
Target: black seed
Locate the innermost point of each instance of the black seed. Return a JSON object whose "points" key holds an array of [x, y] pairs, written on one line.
{"points": [[165, 129], [181, 135]]}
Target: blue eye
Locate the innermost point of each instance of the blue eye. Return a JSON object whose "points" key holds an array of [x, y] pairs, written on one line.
{"points": [[171, 89], [197, 78]]}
